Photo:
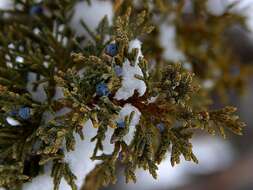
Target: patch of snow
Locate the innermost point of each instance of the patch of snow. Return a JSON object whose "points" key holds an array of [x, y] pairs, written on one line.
{"points": [[130, 83], [78, 160], [126, 111], [12, 121], [135, 44], [217, 7], [11, 46], [43, 181], [108, 147], [247, 10], [5, 4], [38, 95], [206, 148], [91, 14], [208, 84], [245, 7], [187, 66], [19, 59], [168, 42], [36, 31], [58, 93]]}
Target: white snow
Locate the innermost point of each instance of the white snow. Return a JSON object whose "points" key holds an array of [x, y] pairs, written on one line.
{"points": [[38, 95], [78, 159], [43, 181], [217, 7], [206, 149], [135, 44], [245, 7], [126, 111], [130, 83], [91, 14], [19, 59], [12, 121], [168, 42], [208, 83], [4, 4], [187, 66]]}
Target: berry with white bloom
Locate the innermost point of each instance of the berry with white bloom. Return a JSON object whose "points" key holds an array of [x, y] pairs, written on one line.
{"points": [[102, 89], [24, 113], [111, 50]]}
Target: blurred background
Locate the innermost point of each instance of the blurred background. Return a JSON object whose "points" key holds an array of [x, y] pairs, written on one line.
{"points": [[223, 164]]}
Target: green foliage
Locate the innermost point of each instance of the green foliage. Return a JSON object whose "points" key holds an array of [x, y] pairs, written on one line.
{"points": [[75, 65], [61, 170]]}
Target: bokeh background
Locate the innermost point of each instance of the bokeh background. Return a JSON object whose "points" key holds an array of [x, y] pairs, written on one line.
{"points": [[223, 164]]}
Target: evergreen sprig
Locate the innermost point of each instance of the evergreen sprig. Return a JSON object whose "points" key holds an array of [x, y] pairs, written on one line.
{"points": [[43, 44]]}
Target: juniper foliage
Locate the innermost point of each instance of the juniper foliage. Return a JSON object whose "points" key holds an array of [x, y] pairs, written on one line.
{"points": [[43, 43]]}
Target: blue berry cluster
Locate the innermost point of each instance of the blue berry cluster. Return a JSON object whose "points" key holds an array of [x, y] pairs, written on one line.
{"points": [[111, 50], [102, 89], [23, 112], [160, 126], [36, 10]]}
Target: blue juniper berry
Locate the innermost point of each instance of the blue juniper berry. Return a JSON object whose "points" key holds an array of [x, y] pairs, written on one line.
{"points": [[36, 9], [111, 49], [102, 89], [121, 124], [24, 113], [160, 126], [118, 70]]}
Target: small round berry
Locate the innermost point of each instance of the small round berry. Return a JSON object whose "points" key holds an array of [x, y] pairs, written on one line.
{"points": [[14, 113], [36, 10], [24, 113], [111, 50], [102, 89], [160, 126], [118, 70], [121, 124]]}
